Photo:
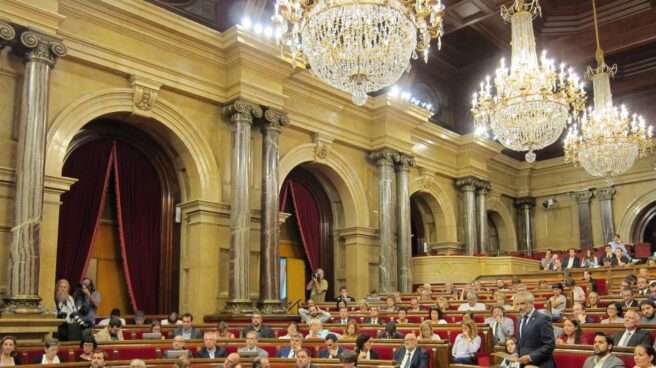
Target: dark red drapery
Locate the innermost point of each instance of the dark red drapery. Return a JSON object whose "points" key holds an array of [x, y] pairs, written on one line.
{"points": [[306, 213], [81, 208]]}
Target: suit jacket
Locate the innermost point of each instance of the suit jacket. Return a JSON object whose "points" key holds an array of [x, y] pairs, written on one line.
{"points": [[265, 332], [639, 337], [218, 353], [537, 340], [419, 358], [575, 264], [611, 259], [634, 304], [323, 354], [506, 329], [196, 333], [339, 320], [383, 335], [284, 352], [260, 352], [378, 322], [611, 362]]}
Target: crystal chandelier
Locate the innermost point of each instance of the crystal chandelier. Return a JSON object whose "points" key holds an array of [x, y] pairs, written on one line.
{"points": [[358, 46], [529, 104], [609, 140]]}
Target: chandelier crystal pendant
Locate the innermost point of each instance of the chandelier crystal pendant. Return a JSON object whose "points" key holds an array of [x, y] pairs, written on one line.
{"points": [[609, 139], [529, 104], [358, 46]]}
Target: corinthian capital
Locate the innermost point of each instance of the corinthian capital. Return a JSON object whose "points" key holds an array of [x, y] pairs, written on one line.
{"points": [[36, 46], [383, 157], [467, 184], [605, 194], [7, 33], [582, 196], [403, 161], [525, 202], [242, 111], [275, 119]]}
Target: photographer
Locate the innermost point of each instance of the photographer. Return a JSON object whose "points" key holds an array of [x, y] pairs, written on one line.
{"points": [[87, 300], [73, 326], [318, 286]]}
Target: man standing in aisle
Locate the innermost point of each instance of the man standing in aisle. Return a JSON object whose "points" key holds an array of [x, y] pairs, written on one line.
{"points": [[317, 286], [535, 338]]}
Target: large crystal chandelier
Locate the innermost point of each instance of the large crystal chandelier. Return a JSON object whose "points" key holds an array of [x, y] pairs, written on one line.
{"points": [[358, 46], [529, 104], [609, 139]]}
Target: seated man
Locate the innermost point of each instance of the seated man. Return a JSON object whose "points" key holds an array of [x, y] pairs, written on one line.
{"points": [[390, 305], [332, 350], [98, 358], [552, 265], [290, 351], [210, 350], [631, 336], [177, 344], [578, 312], [343, 316], [622, 260], [648, 310], [411, 356], [643, 286], [414, 304], [263, 332], [545, 263], [139, 318], [572, 261], [402, 317], [502, 326], [186, 330], [114, 314], [603, 353], [628, 301], [558, 301], [348, 359], [390, 332], [343, 295], [557, 265], [112, 332], [373, 317], [472, 303], [313, 312], [232, 361], [618, 244], [304, 359], [316, 330], [251, 345]]}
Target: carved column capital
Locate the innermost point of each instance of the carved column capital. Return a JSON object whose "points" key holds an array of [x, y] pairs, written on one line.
{"points": [[467, 184], [145, 94], [605, 194], [383, 157], [242, 111], [524, 202], [582, 196], [403, 162], [35, 46], [483, 187], [275, 119], [7, 33]]}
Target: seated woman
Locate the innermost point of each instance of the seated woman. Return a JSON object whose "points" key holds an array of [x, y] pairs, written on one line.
{"points": [[171, 320], [442, 303], [426, 332], [436, 316], [511, 349], [466, 345], [88, 344], [363, 306], [577, 292], [558, 302], [402, 317], [351, 332], [644, 356], [292, 328], [592, 301], [157, 327], [614, 312], [590, 260], [589, 281], [341, 303], [363, 348], [223, 333], [500, 298], [572, 334], [468, 316], [316, 330], [8, 356]]}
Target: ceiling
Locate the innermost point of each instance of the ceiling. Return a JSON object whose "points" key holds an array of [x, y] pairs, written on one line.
{"points": [[476, 38]]}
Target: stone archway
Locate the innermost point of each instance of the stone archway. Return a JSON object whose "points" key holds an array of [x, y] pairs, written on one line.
{"points": [[438, 205], [504, 223], [636, 217]]}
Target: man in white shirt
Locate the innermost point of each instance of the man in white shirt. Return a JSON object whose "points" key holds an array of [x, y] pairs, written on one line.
{"points": [[603, 357], [313, 312], [643, 286], [411, 356], [617, 243], [472, 304]]}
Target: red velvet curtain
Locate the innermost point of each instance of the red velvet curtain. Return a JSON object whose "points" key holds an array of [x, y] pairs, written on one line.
{"points": [[139, 202], [306, 213], [82, 207]]}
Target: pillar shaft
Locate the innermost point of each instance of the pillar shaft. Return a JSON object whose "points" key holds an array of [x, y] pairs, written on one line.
{"points": [[585, 219], [526, 205], [385, 160], [468, 188], [605, 196], [403, 232], [481, 216]]}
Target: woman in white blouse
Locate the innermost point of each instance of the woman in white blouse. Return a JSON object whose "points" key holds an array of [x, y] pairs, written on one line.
{"points": [[426, 332], [614, 312], [466, 345]]}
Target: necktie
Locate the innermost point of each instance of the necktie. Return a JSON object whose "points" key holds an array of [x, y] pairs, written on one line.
{"points": [[408, 358], [625, 339], [522, 325], [496, 330]]}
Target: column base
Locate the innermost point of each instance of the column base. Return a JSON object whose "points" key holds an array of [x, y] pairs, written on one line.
{"points": [[23, 305], [238, 306], [271, 307]]}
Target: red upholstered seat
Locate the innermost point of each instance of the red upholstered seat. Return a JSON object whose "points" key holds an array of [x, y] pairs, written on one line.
{"points": [[271, 349], [136, 352], [384, 352], [569, 359], [642, 250]]}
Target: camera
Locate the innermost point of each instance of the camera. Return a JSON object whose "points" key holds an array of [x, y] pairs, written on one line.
{"points": [[76, 317]]}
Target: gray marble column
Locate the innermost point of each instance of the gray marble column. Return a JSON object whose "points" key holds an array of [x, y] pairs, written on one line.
{"points": [[269, 230], [585, 219], [403, 163], [482, 187], [468, 187], [385, 160], [241, 114], [525, 206], [7, 34], [40, 53], [605, 196]]}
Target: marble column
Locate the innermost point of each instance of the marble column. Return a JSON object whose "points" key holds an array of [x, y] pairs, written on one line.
{"points": [[269, 230], [7, 34], [241, 114], [526, 205], [468, 187], [585, 219], [385, 160], [40, 54], [482, 187], [605, 196], [403, 163]]}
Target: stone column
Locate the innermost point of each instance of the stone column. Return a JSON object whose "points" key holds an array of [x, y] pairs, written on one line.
{"points": [[605, 196], [482, 188], [468, 187], [241, 115], [585, 220], [385, 159], [40, 53], [403, 163], [526, 205], [269, 230]]}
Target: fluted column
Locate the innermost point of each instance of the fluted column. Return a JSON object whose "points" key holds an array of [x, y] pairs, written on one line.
{"points": [[241, 114], [482, 187], [269, 230], [40, 53], [605, 196], [385, 160], [585, 219], [403, 163], [526, 205], [468, 187]]}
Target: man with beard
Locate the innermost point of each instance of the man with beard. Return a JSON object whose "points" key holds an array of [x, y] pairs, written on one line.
{"points": [[648, 309], [263, 332], [313, 312], [73, 326], [603, 357], [98, 358]]}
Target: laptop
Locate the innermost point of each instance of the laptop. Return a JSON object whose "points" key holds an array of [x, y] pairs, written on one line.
{"points": [[247, 354], [151, 336], [174, 354]]}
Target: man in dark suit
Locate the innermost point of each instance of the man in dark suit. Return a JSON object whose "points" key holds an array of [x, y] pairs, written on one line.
{"points": [[343, 318], [390, 332], [263, 332], [290, 351], [373, 317], [632, 336], [572, 261], [304, 359], [210, 350], [629, 302], [535, 337], [186, 330], [411, 356], [177, 344], [332, 350]]}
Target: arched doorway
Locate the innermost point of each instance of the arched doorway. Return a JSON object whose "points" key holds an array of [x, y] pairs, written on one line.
{"points": [[644, 227], [422, 222], [130, 241], [492, 234]]}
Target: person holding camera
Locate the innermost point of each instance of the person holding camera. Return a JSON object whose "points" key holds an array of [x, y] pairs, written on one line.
{"points": [[73, 327], [87, 300], [317, 286]]}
